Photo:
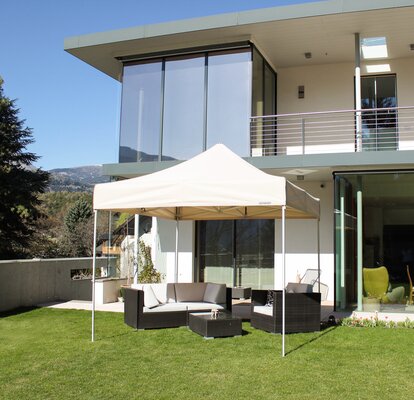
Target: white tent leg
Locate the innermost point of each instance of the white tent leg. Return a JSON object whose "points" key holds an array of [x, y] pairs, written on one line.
{"points": [[283, 277], [93, 274], [319, 257], [136, 247], [177, 232]]}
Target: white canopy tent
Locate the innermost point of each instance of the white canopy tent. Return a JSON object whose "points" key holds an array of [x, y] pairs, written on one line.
{"points": [[214, 185]]}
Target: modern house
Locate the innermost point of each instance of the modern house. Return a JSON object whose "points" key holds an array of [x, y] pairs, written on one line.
{"points": [[321, 93]]}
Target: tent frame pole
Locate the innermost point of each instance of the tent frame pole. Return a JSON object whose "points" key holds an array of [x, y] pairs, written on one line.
{"points": [[319, 256], [177, 232], [283, 278], [94, 273], [136, 248]]}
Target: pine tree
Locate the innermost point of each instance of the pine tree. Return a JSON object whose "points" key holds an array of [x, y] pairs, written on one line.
{"points": [[20, 182], [80, 212], [78, 237]]}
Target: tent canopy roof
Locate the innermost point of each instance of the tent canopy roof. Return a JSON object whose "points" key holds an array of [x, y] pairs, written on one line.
{"points": [[216, 184]]}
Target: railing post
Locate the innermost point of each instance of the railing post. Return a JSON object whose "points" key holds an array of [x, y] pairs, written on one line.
{"points": [[303, 135]]}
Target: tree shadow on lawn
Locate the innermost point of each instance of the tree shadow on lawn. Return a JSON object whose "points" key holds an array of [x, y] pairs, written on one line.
{"points": [[324, 331]]}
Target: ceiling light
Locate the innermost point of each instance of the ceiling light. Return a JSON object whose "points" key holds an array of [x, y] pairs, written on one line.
{"points": [[378, 68]]}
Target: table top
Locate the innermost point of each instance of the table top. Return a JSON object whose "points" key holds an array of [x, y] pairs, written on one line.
{"points": [[223, 315]]}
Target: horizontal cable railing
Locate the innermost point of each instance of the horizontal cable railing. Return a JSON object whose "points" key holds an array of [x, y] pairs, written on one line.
{"points": [[345, 131]]}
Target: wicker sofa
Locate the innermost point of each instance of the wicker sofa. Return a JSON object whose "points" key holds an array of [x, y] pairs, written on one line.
{"points": [[166, 305], [302, 311]]}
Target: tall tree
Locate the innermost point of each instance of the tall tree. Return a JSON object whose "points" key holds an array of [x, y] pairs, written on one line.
{"points": [[78, 238], [20, 182]]}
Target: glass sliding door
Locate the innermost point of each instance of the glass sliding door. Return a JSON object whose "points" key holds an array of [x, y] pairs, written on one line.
{"points": [[238, 253], [216, 259], [387, 241], [379, 128], [345, 243], [254, 251]]}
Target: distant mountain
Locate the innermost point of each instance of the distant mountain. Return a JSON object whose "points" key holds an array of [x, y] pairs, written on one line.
{"points": [[78, 179]]}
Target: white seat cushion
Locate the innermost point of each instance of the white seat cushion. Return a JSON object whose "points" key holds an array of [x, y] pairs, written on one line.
{"points": [[202, 306], [263, 310], [165, 308], [159, 289], [184, 307]]}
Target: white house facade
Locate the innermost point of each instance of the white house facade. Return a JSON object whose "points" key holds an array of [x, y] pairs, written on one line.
{"points": [[320, 93]]}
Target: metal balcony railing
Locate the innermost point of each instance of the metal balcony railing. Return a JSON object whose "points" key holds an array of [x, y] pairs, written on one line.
{"points": [[345, 131]]}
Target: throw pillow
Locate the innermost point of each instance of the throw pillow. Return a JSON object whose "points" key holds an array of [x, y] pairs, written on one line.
{"points": [[150, 301], [215, 293]]}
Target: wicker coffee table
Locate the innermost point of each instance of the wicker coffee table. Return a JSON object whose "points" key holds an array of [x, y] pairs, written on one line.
{"points": [[222, 326]]}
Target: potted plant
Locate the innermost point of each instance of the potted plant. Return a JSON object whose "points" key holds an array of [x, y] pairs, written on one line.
{"points": [[121, 295]]}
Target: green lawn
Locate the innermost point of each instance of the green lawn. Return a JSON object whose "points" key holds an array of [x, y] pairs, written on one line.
{"points": [[47, 354]]}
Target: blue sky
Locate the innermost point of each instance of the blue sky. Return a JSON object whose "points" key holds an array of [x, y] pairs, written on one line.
{"points": [[72, 108]]}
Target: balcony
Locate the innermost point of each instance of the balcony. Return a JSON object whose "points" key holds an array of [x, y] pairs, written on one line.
{"points": [[345, 131]]}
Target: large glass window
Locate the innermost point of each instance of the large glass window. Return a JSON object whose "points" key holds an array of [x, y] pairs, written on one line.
{"points": [[141, 110], [238, 253], [229, 100], [385, 201], [176, 107], [263, 140], [183, 108]]}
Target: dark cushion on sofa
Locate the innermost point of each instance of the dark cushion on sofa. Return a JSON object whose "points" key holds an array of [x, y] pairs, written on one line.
{"points": [[190, 291], [215, 293]]}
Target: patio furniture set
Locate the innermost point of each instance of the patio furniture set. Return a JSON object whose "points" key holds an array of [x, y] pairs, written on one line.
{"points": [[207, 309]]}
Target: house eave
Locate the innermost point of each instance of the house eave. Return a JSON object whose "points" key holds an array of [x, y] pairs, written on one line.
{"points": [[102, 50]]}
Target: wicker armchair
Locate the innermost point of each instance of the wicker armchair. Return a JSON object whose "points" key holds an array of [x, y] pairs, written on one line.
{"points": [[303, 311]]}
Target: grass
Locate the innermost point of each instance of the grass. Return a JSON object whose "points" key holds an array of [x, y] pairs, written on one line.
{"points": [[47, 354]]}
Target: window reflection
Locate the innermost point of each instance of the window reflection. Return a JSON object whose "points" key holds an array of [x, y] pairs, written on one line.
{"points": [[140, 115], [175, 107], [238, 253], [183, 108], [229, 100], [387, 241]]}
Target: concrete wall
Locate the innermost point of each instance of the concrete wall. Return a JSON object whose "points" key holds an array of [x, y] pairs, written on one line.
{"points": [[25, 283]]}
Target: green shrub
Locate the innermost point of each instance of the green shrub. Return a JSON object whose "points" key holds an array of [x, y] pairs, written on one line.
{"points": [[148, 273], [374, 322]]}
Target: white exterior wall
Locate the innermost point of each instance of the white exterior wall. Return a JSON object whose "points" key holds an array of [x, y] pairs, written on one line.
{"points": [[301, 241], [164, 260], [327, 87], [330, 87]]}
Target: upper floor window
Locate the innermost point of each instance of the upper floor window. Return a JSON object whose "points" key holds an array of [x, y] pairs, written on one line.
{"points": [[175, 107]]}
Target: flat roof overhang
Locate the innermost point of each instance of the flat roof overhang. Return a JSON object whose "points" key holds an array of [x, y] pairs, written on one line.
{"points": [[283, 34], [315, 167]]}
